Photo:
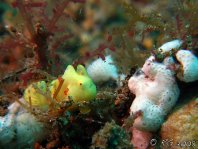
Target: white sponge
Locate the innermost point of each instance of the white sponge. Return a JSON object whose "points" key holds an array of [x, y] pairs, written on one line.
{"points": [[169, 46], [189, 66], [28, 130], [101, 71], [19, 128], [152, 116]]}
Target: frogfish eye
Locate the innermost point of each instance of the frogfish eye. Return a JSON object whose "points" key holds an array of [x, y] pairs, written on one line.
{"points": [[138, 72]]}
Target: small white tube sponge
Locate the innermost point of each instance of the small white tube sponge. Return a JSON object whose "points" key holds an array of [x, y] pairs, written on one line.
{"points": [[19, 128], [156, 93], [101, 71], [169, 46], [189, 66]]}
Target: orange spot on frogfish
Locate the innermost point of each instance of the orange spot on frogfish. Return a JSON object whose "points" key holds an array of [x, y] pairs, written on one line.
{"points": [[66, 91]]}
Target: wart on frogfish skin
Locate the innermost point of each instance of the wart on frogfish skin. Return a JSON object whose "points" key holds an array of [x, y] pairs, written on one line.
{"points": [[66, 91]]}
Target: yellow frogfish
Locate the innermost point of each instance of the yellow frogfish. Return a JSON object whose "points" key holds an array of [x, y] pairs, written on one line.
{"points": [[74, 84]]}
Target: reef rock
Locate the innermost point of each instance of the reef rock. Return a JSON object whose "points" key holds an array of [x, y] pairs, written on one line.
{"points": [[181, 127]]}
